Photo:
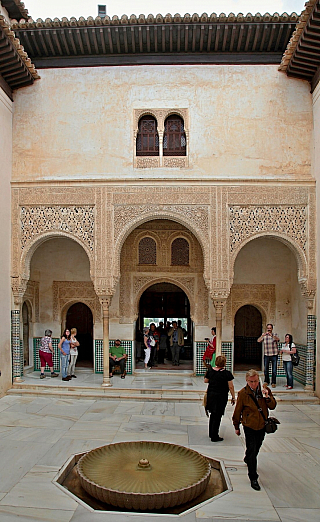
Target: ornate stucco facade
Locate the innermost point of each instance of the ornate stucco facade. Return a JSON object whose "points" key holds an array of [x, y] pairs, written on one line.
{"points": [[243, 197]]}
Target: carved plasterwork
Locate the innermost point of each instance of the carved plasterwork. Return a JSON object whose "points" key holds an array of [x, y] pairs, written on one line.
{"points": [[260, 211], [172, 162], [135, 278], [147, 162], [221, 219], [70, 292], [32, 295], [248, 220], [197, 215], [262, 297], [73, 219]]}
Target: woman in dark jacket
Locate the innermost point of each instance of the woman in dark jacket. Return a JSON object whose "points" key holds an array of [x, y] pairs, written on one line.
{"points": [[220, 383]]}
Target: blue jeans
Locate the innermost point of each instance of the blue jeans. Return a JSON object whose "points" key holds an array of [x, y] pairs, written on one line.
{"points": [[64, 365], [273, 359], [288, 367]]}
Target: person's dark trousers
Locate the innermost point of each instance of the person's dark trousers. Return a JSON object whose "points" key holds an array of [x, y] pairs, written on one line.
{"points": [[175, 350], [273, 359], [152, 354], [254, 439], [214, 425], [161, 354], [121, 363]]}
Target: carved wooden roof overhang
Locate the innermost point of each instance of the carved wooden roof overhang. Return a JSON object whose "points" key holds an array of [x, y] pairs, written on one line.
{"points": [[16, 69], [302, 56], [15, 9], [231, 39]]}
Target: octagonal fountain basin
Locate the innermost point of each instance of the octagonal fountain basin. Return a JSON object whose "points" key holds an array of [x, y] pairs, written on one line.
{"points": [[144, 475]]}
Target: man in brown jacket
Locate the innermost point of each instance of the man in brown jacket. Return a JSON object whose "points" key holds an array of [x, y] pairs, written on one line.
{"points": [[246, 413]]}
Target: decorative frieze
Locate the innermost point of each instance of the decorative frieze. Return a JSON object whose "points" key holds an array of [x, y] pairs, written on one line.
{"points": [[247, 221], [32, 295], [261, 296], [70, 292], [75, 220]]}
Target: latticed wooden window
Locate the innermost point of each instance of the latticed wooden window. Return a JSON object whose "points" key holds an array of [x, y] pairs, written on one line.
{"points": [[174, 137], [147, 138], [147, 251], [180, 252]]}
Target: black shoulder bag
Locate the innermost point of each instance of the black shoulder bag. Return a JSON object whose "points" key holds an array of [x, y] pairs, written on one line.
{"points": [[270, 422], [295, 358]]}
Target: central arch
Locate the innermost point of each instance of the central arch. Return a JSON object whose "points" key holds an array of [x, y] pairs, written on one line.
{"points": [[161, 303]]}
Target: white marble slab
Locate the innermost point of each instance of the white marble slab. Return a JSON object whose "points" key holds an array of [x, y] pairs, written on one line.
{"points": [[163, 419], [24, 514], [47, 435], [290, 482], [158, 408], [151, 426], [298, 515], [129, 407], [243, 503], [35, 490], [191, 409], [160, 437], [31, 420], [17, 458]]}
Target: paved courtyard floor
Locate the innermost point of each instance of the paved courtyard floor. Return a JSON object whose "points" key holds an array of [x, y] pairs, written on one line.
{"points": [[39, 433]]}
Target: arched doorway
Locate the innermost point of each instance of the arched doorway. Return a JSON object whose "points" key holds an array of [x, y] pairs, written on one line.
{"points": [[26, 334], [163, 302], [247, 329], [79, 316]]}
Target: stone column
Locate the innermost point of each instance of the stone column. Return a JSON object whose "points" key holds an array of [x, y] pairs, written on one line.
{"points": [[160, 133], [218, 305], [17, 360], [309, 295], [105, 303], [18, 286], [311, 333]]}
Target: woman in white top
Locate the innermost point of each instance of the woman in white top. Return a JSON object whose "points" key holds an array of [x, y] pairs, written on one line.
{"points": [[287, 349]]}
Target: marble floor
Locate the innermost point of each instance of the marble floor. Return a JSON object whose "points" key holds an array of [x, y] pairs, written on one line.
{"points": [[145, 379], [38, 434]]}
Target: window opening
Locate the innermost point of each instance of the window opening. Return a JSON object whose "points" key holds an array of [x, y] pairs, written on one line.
{"points": [[180, 252], [147, 251], [174, 138], [147, 138]]}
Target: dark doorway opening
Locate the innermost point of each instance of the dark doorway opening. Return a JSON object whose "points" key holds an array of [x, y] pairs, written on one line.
{"points": [[167, 302], [247, 329], [79, 316]]}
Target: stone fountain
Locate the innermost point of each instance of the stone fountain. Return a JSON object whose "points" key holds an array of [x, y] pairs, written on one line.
{"points": [[144, 475]]}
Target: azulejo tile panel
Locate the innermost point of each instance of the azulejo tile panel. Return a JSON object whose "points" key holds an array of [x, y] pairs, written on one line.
{"points": [[98, 354], [226, 349], [56, 354]]}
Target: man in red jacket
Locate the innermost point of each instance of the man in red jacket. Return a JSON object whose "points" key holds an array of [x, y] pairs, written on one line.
{"points": [[247, 413]]}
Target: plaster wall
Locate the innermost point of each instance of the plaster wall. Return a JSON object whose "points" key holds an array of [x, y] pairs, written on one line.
{"points": [[268, 261], [316, 173], [56, 260], [247, 122], [5, 240]]}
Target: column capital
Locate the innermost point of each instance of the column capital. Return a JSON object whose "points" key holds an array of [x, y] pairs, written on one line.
{"points": [[105, 301], [18, 286], [308, 291], [218, 306]]}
